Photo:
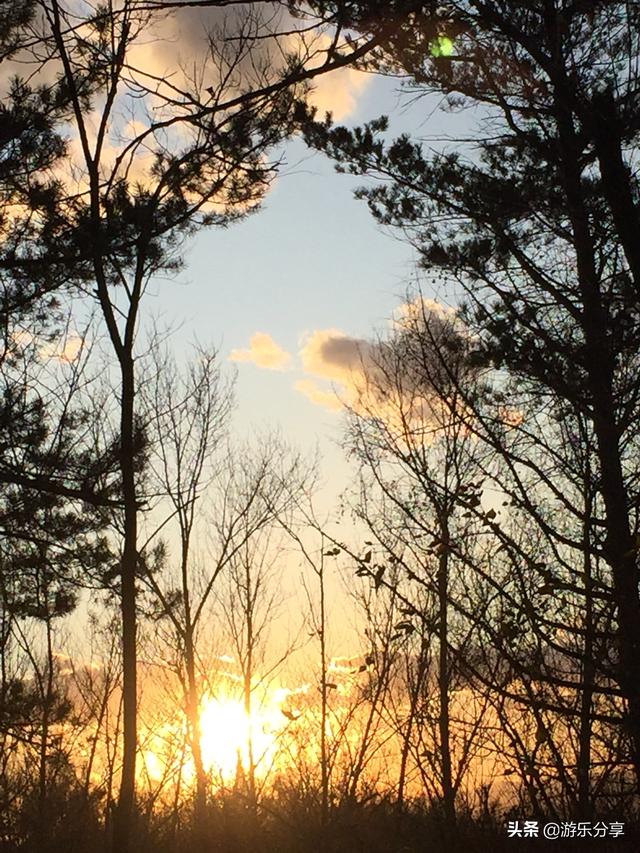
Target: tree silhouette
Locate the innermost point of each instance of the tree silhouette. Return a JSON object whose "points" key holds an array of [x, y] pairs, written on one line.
{"points": [[532, 226]]}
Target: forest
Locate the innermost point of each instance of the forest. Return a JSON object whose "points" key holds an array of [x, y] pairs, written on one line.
{"points": [[212, 641]]}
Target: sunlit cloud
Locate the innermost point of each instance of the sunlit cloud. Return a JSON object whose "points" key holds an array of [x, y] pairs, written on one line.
{"points": [[346, 362], [339, 92], [177, 52], [321, 397], [511, 417], [67, 350], [264, 352], [332, 354], [401, 378], [416, 309]]}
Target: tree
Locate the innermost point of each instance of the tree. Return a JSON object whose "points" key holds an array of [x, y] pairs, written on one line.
{"points": [[55, 482], [188, 415], [161, 155], [250, 598], [38, 268], [221, 500], [417, 473], [526, 621], [53, 544], [207, 167], [532, 228]]}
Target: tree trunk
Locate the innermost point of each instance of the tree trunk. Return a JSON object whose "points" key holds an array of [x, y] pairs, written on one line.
{"points": [[448, 792], [47, 701], [324, 765], [616, 184], [193, 722], [620, 549], [248, 709], [415, 692], [123, 824], [588, 679]]}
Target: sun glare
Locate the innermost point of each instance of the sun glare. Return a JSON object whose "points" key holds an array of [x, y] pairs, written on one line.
{"points": [[231, 740], [227, 731]]}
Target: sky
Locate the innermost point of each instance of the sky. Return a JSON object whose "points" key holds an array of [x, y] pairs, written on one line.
{"points": [[311, 262], [269, 290], [290, 294], [310, 273], [311, 270]]}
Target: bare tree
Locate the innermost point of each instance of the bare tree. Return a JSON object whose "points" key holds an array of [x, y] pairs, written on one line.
{"points": [[251, 600], [429, 427], [188, 415], [221, 501], [134, 224]]}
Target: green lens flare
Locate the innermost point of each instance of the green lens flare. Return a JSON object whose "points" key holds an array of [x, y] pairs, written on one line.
{"points": [[442, 46]]}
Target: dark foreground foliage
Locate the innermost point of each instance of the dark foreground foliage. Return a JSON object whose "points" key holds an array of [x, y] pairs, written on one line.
{"points": [[294, 826]]}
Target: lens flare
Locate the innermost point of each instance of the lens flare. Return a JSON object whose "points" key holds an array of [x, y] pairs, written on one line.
{"points": [[442, 46]]}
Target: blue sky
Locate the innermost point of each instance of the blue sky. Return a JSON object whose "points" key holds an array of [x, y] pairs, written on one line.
{"points": [[313, 258]]}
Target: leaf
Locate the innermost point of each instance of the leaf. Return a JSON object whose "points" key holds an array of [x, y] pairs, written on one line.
{"points": [[367, 557]]}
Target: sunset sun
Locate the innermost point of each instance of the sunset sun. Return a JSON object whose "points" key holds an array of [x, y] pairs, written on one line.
{"points": [[229, 734]]}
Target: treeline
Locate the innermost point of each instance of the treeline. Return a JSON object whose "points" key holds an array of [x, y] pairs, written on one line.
{"points": [[490, 539]]}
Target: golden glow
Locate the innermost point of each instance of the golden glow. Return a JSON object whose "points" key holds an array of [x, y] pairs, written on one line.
{"points": [[228, 734], [231, 740], [280, 735]]}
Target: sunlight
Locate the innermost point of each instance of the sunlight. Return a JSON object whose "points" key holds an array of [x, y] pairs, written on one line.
{"points": [[227, 732], [231, 741]]}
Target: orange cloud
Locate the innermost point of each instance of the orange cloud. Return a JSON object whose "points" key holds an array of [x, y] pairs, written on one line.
{"points": [[264, 352], [312, 391], [400, 379], [334, 355], [350, 364]]}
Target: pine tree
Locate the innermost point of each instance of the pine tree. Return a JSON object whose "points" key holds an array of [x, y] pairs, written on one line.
{"points": [[538, 221]]}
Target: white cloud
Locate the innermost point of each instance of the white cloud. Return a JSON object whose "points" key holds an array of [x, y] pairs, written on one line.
{"points": [[264, 352], [339, 92]]}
